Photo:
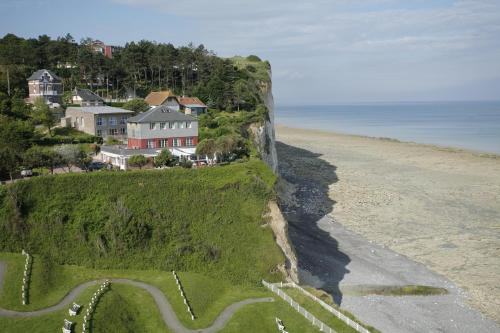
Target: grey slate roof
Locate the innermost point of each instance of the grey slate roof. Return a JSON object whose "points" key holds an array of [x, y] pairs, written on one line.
{"points": [[160, 113], [39, 73], [86, 95], [100, 109]]}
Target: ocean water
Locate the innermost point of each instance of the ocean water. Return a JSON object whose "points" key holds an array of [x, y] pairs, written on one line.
{"points": [[469, 125]]}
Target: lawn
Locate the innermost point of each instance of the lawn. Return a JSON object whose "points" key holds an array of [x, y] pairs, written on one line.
{"points": [[137, 311], [321, 313]]}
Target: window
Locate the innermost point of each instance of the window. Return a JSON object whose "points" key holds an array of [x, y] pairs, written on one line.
{"points": [[123, 120], [99, 133], [170, 125], [163, 143], [112, 131], [152, 126], [182, 124], [100, 121], [189, 141], [123, 131], [188, 124], [162, 126], [112, 121], [151, 143], [177, 142]]}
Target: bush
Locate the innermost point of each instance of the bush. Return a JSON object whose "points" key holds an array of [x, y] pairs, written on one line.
{"points": [[153, 219], [137, 105]]}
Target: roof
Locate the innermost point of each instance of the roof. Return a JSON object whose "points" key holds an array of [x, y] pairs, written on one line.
{"points": [[160, 113], [86, 95], [99, 109], [39, 73], [191, 101], [158, 97], [124, 151]]}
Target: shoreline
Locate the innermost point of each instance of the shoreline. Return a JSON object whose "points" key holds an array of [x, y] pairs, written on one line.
{"points": [[436, 206], [451, 149]]}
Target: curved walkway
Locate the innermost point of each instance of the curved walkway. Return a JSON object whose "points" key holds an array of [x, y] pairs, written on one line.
{"points": [[166, 310]]}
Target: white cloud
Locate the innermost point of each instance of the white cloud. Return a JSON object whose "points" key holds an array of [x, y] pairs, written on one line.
{"points": [[347, 36]]}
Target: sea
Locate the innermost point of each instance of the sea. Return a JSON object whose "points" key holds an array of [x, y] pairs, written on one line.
{"points": [[469, 125]]}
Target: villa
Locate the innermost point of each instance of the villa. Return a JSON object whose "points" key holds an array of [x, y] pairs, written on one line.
{"points": [[43, 83], [102, 121], [85, 97], [153, 131]]}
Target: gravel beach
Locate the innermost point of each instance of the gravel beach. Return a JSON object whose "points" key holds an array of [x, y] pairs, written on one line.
{"points": [[436, 209]]}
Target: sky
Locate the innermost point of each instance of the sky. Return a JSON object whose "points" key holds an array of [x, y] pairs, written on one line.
{"points": [[321, 51]]}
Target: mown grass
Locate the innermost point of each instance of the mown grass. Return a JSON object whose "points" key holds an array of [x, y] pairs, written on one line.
{"points": [[128, 309], [205, 220], [322, 314], [259, 70]]}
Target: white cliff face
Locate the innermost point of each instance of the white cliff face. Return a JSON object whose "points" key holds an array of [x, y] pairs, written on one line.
{"points": [[264, 136]]}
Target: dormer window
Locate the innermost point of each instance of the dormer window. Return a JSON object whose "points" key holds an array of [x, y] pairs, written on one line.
{"points": [[152, 126]]}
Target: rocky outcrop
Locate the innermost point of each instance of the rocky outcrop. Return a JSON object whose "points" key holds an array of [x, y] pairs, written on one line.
{"points": [[280, 228]]}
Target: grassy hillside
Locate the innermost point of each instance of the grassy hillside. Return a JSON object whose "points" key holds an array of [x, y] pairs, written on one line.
{"points": [[206, 220]]}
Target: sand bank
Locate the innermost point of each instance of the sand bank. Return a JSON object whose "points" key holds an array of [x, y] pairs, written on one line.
{"points": [[437, 206]]}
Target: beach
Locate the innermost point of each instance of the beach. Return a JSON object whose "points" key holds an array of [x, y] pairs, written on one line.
{"points": [[439, 207]]}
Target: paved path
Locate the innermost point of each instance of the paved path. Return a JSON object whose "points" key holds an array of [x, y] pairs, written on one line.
{"points": [[166, 310]]}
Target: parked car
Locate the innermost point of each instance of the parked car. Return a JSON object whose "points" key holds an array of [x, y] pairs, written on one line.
{"points": [[96, 165], [26, 173]]}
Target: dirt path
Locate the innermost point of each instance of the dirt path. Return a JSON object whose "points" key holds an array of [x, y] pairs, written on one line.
{"points": [[166, 310]]}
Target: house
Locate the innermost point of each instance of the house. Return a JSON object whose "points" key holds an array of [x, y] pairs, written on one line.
{"points": [[100, 47], [85, 97], [102, 121], [46, 84], [166, 97], [153, 131], [192, 105]]}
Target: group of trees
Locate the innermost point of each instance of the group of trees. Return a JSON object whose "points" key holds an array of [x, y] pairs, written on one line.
{"points": [[18, 139], [135, 69]]}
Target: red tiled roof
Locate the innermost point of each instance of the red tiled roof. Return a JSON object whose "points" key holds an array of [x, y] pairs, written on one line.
{"points": [[158, 97], [190, 101]]}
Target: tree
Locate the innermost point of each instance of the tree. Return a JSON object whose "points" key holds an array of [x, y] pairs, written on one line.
{"points": [[207, 147], [137, 105], [41, 157], [163, 159], [43, 115], [15, 138], [72, 155], [138, 161]]}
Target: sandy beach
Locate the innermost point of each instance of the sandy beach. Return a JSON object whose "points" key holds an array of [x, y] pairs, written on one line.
{"points": [[439, 207]]}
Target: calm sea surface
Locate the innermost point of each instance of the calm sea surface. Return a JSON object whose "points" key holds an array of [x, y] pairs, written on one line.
{"points": [[470, 125]]}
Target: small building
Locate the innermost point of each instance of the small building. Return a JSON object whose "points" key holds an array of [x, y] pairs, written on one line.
{"points": [[46, 84], [166, 97], [192, 106], [100, 47], [102, 121], [151, 132], [85, 97]]}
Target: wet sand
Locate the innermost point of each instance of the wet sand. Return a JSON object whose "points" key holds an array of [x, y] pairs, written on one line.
{"points": [[439, 207]]}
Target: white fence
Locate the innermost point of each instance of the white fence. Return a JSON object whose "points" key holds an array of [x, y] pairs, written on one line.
{"points": [[348, 321], [315, 321], [179, 285], [26, 277], [91, 307]]}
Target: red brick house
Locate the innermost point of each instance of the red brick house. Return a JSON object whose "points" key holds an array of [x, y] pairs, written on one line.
{"points": [[151, 132]]}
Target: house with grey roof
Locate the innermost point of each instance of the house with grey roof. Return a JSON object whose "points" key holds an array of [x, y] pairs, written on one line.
{"points": [[102, 121], [151, 132], [44, 83], [86, 97]]}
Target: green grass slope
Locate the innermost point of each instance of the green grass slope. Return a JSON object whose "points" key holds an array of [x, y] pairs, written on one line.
{"points": [[206, 220]]}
